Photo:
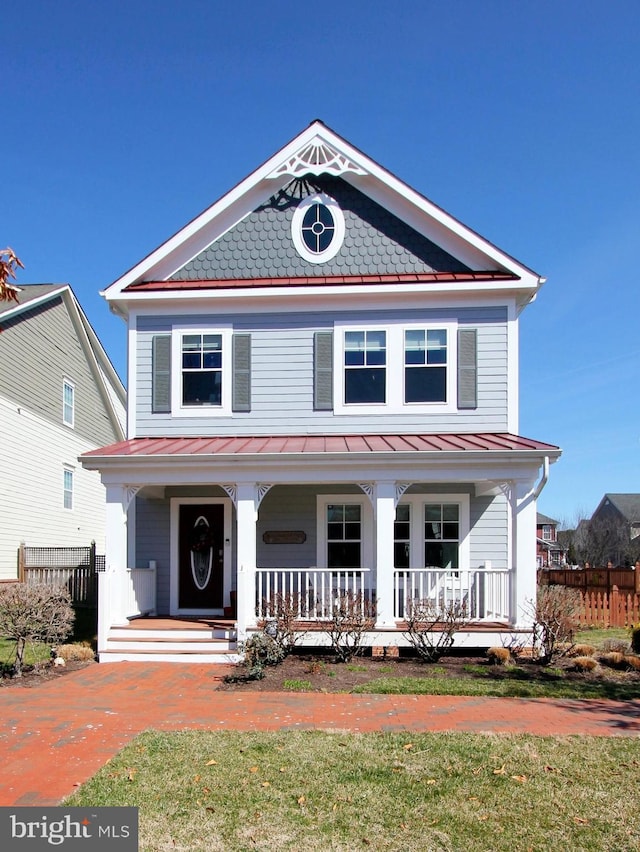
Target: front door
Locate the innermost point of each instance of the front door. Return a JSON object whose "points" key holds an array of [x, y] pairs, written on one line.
{"points": [[200, 556]]}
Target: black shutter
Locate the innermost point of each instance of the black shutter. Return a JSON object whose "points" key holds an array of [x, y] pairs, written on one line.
{"points": [[467, 368], [323, 371], [241, 393], [161, 374]]}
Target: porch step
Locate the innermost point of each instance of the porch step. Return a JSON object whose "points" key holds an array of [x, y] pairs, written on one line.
{"points": [[182, 642]]}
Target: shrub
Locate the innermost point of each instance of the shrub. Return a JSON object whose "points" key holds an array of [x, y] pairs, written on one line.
{"points": [[616, 645], [554, 621], [498, 656], [635, 640], [260, 651], [581, 651], [633, 662], [81, 652], [584, 664], [613, 660], [431, 629], [351, 618], [35, 613], [282, 624]]}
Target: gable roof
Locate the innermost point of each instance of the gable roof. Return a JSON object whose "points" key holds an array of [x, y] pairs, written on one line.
{"points": [[106, 378], [627, 504], [544, 519], [318, 150]]}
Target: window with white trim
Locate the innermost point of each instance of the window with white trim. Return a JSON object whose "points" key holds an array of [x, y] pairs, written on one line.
{"points": [[425, 365], [344, 532], [441, 535], [432, 531], [202, 369], [68, 403], [67, 488], [547, 532], [365, 373], [344, 535], [201, 384], [318, 228], [390, 369]]}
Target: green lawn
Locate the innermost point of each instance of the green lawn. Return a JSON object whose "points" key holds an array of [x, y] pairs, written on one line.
{"points": [[316, 791], [35, 652]]}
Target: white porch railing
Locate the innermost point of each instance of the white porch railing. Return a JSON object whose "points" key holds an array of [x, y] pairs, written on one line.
{"points": [[485, 591], [314, 592], [140, 592]]}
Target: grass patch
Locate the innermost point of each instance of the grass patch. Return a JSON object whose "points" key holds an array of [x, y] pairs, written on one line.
{"points": [[36, 652], [596, 636], [297, 685], [514, 683], [351, 667], [388, 792]]}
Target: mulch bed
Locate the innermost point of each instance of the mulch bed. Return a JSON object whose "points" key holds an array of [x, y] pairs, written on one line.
{"points": [[323, 674], [34, 676]]}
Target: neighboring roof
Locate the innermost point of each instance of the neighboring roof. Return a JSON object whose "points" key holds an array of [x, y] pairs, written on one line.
{"points": [[544, 519], [318, 150], [320, 280], [322, 444], [29, 295], [105, 376], [627, 504]]}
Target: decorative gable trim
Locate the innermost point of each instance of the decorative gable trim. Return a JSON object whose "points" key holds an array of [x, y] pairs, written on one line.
{"points": [[380, 185], [316, 158]]}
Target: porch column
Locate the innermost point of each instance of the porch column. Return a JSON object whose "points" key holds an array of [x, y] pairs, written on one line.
{"points": [[112, 600], [246, 516], [523, 576], [384, 506]]}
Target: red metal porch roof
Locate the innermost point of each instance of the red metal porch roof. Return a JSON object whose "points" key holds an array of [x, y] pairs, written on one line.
{"points": [[318, 444], [320, 280]]}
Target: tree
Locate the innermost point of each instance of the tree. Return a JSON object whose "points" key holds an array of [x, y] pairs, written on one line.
{"points": [[9, 262], [37, 613]]}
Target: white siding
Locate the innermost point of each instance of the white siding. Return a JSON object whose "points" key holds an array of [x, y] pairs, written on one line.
{"points": [[33, 454]]}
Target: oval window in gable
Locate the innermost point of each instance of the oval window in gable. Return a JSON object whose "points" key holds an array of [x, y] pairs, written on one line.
{"points": [[317, 228]]}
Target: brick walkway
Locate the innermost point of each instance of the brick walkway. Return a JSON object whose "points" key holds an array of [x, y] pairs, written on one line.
{"points": [[57, 735]]}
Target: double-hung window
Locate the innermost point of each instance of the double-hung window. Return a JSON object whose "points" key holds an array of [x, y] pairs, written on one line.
{"points": [[425, 365], [344, 535], [202, 369], [432, 531], [68, 403], [395, 368], [67, 488], [365, 366], [441, 535], [201, 381], [344, 532]]}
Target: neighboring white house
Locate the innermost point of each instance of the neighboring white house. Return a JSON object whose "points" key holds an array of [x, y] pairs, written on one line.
{"points": [[59, 397], [323, 395]]}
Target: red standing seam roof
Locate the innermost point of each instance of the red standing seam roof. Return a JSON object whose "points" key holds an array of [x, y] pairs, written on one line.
{"points": [[319, 281], [320, 444]]}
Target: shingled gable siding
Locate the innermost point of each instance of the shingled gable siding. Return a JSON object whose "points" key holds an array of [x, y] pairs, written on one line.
{"points": [[282, 376], [376, 242]]}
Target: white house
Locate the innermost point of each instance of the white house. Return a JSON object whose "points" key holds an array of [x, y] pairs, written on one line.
{"points": [[59, 397], [323, 395]]}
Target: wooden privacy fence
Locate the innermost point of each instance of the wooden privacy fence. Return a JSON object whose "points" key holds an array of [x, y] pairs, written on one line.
{"points": [[610, 609], [592, 580], [72, 567]]}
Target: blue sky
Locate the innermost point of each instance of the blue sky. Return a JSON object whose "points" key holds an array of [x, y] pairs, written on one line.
{"points": [[123, 120]]}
